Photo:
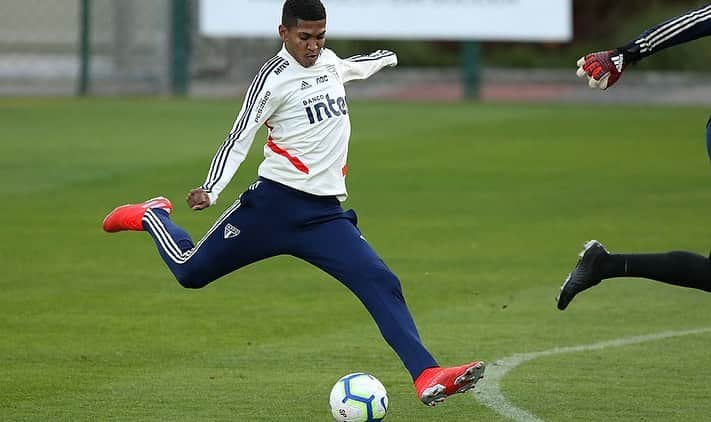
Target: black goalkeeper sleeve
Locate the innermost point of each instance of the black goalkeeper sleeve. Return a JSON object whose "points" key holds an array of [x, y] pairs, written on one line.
{"points": [[678, 30], [679, 268]]}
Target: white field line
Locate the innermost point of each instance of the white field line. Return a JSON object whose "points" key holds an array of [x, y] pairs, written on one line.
{"points": [[489, 391]]}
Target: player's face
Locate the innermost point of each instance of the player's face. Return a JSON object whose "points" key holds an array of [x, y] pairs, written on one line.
{"points": [[304, 40]]}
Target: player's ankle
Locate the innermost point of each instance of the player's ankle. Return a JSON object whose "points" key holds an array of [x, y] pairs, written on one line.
{"points": [[425, 376]]}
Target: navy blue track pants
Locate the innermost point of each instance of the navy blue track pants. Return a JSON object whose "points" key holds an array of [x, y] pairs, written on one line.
{"points": [[271, 219]]}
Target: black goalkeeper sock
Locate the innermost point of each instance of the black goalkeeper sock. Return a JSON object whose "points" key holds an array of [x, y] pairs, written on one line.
{"points": [[679, 268]]}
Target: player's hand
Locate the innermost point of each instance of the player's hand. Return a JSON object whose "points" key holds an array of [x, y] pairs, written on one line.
{"points": [[602, 69], [198, 199]]}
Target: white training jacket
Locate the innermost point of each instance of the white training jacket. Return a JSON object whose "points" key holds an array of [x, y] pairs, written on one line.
{"points": [[306, 113]]}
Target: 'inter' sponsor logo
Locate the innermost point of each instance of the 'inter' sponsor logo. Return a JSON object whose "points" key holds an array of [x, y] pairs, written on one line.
{"points": [[329, 107]]}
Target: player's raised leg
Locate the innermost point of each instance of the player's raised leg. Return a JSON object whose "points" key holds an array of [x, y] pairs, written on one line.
{"points": [[678, 268], [337, 247], [237, 238]]}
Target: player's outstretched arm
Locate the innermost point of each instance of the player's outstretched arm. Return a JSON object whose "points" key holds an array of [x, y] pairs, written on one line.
{"points": [[261, 99], [603, 69], [363, 66]]}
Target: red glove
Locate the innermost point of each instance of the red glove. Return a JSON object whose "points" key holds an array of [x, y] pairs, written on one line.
{"points": [[602, 69]]}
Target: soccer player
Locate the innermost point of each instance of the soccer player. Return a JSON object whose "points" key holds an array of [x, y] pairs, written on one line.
{"points": [[294, 205], [602, 70]]}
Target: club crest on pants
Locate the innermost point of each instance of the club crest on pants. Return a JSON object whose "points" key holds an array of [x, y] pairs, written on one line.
{"points": [[231, 231]]}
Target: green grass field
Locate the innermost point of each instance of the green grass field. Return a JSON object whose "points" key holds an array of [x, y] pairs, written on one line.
{"points": [[479, 208]]}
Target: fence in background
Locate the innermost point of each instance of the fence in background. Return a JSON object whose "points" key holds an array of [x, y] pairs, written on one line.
{"points": [[135, 47], [123, 47], [38, 46]]}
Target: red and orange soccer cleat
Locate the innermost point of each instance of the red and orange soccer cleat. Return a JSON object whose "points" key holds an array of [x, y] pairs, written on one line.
{"points": [[434, 385], [128, 217]]}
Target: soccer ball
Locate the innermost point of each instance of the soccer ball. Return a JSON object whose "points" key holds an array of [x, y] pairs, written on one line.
{"points": [[359, 397]]}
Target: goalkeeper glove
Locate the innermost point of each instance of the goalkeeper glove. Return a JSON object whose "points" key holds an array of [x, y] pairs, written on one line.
{"points": [[603, 69]]}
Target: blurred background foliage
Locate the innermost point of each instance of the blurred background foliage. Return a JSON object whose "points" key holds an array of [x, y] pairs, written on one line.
{"points": [[598, 25]]}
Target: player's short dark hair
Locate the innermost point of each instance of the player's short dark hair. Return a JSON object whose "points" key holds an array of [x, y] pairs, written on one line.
{"points": [[306, 10]]}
